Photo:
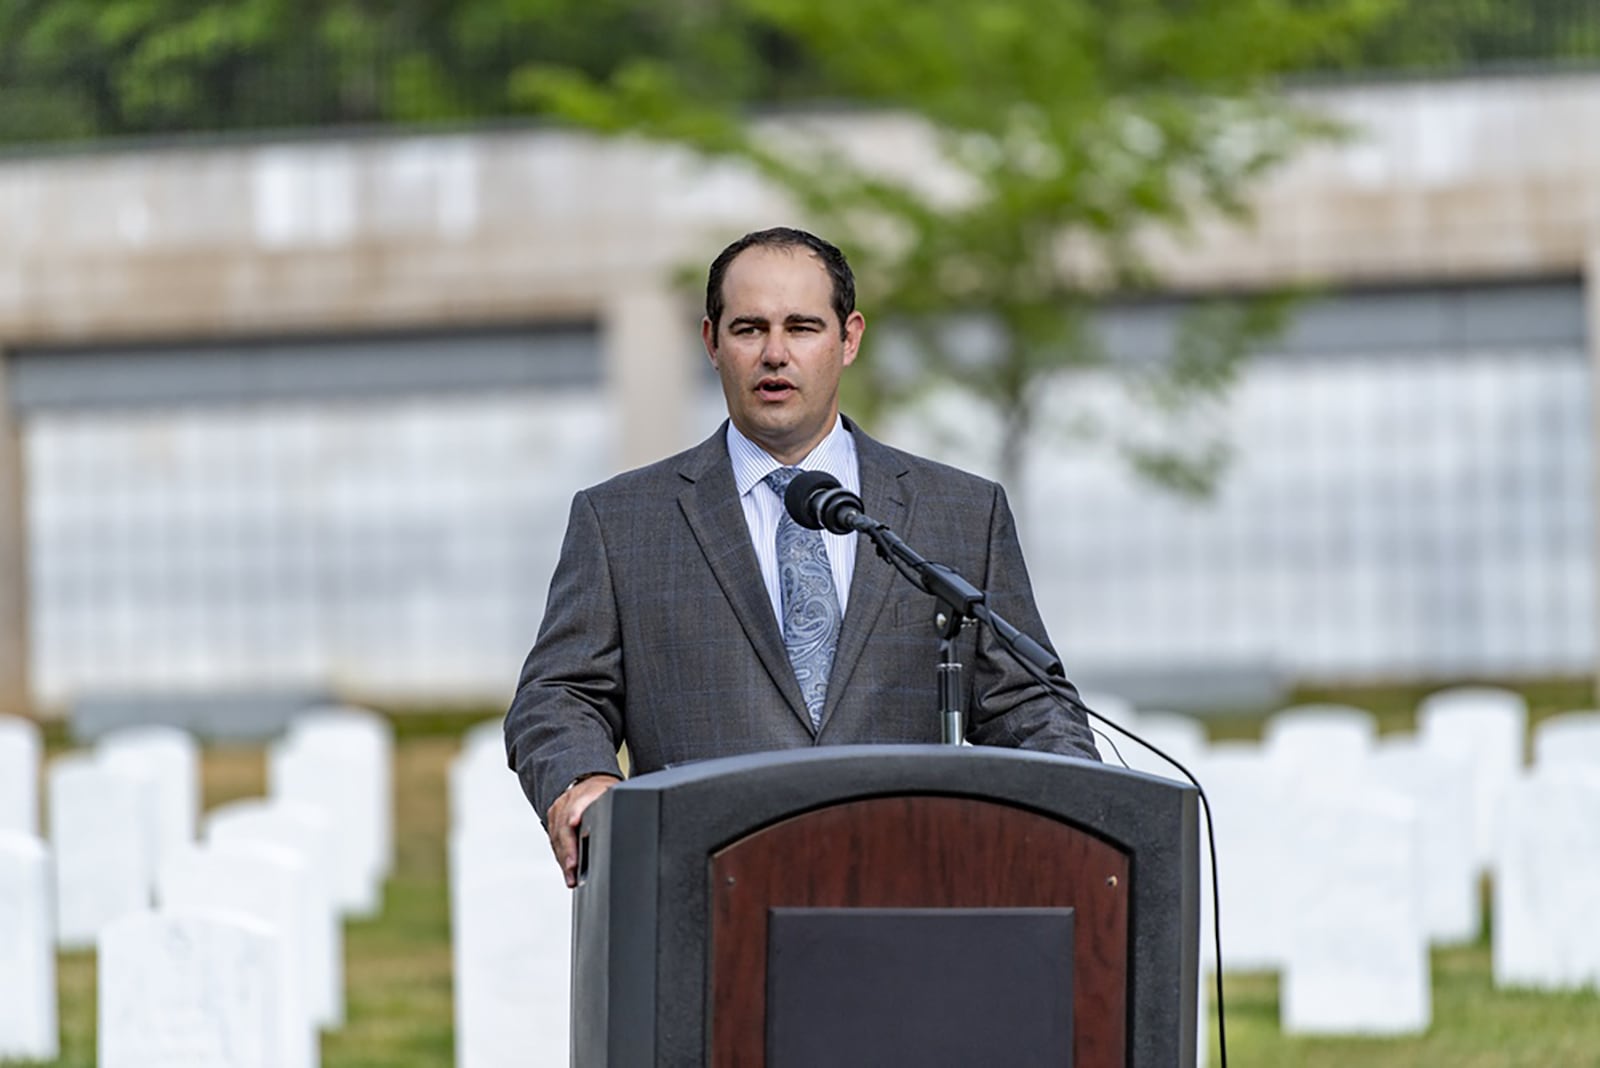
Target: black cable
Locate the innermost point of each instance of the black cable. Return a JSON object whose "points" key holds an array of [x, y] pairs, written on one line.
{"points": [[885, 542], [1059, 690], [1216, 891], [1103, 736]]}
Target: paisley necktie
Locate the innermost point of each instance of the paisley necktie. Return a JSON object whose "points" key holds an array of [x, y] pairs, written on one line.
{"points": [[811, 614]]}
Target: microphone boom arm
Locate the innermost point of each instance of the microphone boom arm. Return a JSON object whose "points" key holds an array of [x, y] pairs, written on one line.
{"points": [[962, 598]]}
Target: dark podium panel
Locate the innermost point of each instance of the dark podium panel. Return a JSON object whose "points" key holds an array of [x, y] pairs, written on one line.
{"points": [[822, 906], [862, 988]]}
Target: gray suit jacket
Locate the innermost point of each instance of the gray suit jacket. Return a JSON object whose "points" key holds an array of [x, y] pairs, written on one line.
{"points": [[659, 632]]}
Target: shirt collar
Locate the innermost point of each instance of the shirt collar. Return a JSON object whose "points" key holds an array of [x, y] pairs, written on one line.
{"points": [[751, 463]]}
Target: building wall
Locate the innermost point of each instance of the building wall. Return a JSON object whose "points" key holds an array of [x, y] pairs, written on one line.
{"points": [[170, 247]]}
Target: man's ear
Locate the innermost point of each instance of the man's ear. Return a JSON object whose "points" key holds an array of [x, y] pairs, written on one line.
{"points": [[854, 326], [708, 337]]}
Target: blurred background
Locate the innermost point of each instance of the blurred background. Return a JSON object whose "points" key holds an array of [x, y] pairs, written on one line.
{"points": [[1273, 316]]}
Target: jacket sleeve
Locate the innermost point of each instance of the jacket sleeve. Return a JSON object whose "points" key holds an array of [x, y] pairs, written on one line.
{"points": [[566, 719], [1009, 708]]}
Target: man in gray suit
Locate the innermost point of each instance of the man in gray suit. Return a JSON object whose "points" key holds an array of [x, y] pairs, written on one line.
{"points": [[690, 618]]}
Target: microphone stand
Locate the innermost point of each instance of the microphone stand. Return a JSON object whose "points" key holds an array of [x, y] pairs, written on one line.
{"points": [[959, 601], [952, 695]]}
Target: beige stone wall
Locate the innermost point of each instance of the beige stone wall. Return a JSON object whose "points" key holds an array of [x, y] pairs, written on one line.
{"points": [[1488, 179], [1461, 179]]}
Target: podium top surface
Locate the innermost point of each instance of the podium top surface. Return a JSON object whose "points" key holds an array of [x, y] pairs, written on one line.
{"points": [[1116, 803]]}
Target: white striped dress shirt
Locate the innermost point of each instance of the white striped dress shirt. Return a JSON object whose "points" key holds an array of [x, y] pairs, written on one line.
{"points": [[835, 454]]}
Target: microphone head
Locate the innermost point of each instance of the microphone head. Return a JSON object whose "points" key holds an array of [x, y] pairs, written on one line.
{"points": [[800, 497]]}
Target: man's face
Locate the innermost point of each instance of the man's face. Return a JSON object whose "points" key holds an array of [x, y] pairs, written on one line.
{"points": [[779, 349]]}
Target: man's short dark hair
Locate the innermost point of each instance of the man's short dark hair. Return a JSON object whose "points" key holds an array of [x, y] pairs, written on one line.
{"points": [[833, 261]]}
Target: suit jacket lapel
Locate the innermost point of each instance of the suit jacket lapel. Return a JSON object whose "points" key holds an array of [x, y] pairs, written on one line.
{"points": [[888, 500], [710, 503]]}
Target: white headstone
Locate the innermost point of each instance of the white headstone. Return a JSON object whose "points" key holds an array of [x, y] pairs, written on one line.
{"points": [[303, 831], [1547, 882], [1572, 738], [188, 990], [28, 1029], [489, 734], [100, 831], [1320, 741], [1181, 737], [1487, 728], [512, 926], [20, 753], [169, 760], [266, 883], [1253, 832], [1358, 956], [1441, 789], [342, 762], [486, 795]]}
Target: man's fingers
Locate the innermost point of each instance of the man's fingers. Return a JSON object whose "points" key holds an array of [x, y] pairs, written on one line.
{"points": [[566, 816], [564, 843]]}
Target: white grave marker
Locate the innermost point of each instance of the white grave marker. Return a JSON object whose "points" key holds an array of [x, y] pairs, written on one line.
{"points": [[100, 833], [1320, 741], [486, 795], [1358, 956], [1486, 727], [169, 760], [1253, 832], [512, 952], [20, 754], [341, 761], [1572, 738], [266, 883], [1441, 789], [189, 990], [302, 831], [1181, 737], [28, 1029], [1547, 882]]}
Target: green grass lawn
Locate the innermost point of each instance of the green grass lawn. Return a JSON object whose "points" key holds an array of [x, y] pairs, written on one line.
{"points": [[398, 965]]}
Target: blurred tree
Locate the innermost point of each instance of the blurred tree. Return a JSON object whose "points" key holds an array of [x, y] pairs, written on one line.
{"points": [[72, 69], [1066, 137], [1474, 35]]}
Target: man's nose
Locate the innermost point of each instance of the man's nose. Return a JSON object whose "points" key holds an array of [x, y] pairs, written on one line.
{"points": [[776, 351]]}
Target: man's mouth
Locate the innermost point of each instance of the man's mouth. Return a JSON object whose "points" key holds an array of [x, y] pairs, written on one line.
{"points": [[774, 387]]}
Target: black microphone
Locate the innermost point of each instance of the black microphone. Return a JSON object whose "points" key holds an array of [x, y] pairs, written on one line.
{"points": [[817, 501]]}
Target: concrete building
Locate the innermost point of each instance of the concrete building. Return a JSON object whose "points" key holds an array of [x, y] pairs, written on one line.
{"points": [[309, 413]]}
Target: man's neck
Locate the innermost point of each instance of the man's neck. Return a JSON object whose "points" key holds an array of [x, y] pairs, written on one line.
{"points": [[794, 457]]}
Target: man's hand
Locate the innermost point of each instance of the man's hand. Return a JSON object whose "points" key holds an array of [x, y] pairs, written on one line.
{"points": [[565, 815]]}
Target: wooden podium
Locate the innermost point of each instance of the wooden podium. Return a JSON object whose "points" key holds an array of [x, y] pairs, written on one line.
{"points": [[887, 905]]}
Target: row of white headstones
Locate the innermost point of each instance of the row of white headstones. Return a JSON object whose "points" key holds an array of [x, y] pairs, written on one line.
{"points": [[1343, 856], [219, 941], [510, 917]]}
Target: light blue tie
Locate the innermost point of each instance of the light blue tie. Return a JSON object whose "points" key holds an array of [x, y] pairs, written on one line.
{"points": [[811, 613]]}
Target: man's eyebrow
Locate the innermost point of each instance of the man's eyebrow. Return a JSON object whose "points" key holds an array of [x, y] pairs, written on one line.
{"points": [[792, 319]]}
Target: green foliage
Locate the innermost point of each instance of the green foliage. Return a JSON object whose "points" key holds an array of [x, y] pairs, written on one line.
{"points": [[1478, 34], [1066, 136], [71, 69]]}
